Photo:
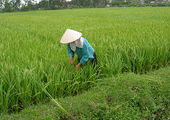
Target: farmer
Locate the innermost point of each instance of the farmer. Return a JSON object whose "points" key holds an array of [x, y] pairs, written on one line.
{"points": [[79, 45]]}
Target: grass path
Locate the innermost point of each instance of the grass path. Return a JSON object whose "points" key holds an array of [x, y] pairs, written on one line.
{"points": [[128, 96]]}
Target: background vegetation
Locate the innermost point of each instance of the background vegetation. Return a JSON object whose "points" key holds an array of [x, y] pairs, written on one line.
{"points": [[25, 5]]}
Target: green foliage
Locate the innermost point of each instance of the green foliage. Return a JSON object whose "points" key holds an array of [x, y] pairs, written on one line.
{"points": [[127, 96], [28, 5], [135, 4], [120, 3], [32, 59]]}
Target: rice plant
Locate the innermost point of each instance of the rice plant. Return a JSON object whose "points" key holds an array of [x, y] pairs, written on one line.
{"points": [[125, 40]]}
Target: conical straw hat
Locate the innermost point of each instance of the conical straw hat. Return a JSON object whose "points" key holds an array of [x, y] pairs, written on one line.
{"points": [[70, 36]]}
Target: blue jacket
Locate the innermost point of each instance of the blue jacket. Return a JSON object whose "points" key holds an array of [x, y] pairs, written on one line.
{"points": [[83, 53]]}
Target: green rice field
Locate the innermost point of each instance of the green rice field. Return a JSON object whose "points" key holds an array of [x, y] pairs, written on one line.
{"points": [[34, 63]]}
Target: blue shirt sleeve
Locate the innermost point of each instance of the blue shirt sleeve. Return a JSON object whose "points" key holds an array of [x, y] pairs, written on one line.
{"points": [[85, 57], [70, 52]]}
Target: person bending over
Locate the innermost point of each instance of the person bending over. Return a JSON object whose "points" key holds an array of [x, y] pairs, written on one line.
{"points": [[79, 45]]}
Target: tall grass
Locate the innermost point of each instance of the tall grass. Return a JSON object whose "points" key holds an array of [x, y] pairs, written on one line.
{"points": [[125, 39]]}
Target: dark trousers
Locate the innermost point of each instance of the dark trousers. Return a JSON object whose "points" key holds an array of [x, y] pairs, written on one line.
{"points": [[94, 60]]}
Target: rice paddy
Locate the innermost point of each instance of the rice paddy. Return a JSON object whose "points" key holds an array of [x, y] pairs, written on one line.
{"points": [[32, 59]]}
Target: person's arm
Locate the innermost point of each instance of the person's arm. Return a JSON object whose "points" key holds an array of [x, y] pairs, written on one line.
{"points": [[78, 66], [83, 60], [71, 60], [70, 54]]}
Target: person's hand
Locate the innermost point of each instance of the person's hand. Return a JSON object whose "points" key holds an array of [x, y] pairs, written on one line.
{"points": [[78, 66], [71, 60]]}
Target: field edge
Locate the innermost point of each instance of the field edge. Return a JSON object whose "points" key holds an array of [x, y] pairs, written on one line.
{"points": [[127, 95]]}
